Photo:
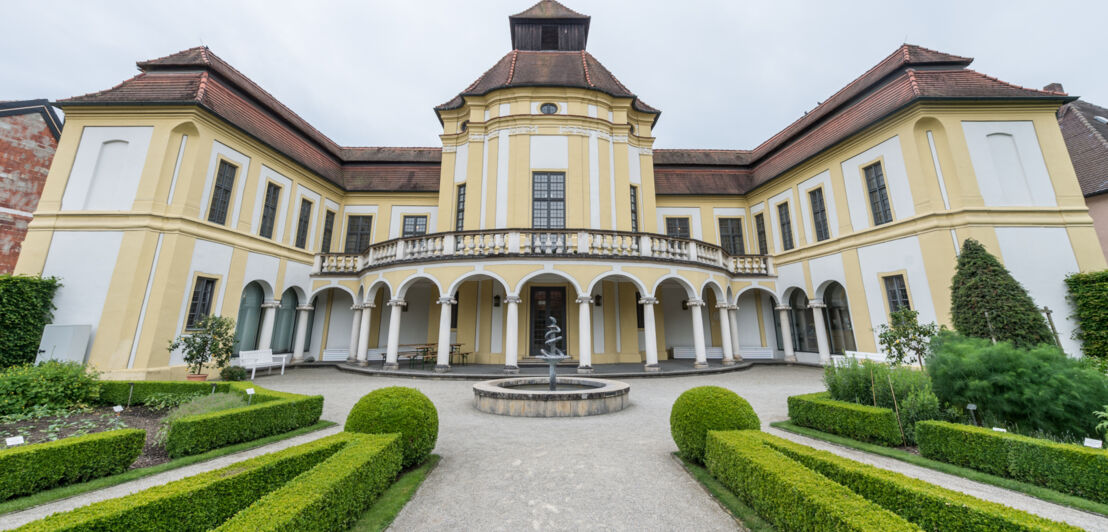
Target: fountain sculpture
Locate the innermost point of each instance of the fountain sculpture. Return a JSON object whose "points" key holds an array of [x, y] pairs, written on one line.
{"points": [[555, 355]]}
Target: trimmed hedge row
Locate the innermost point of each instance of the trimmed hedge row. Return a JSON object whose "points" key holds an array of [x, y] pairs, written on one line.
{"points": [[1068, 468], [860, 422], [788, 494], [925, 504], [331, 495], [201, 502], [32, 468], [271, 412]]}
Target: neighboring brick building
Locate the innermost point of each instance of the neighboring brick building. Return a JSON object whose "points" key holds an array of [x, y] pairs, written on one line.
{"points": [[29, 132], [1085, 128]]}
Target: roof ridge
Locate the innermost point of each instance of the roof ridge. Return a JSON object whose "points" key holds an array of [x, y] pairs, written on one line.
{"points": [[1010, 84], [1095, 132], [203, 86], [912, 81], [585, 65], [512, 67]]}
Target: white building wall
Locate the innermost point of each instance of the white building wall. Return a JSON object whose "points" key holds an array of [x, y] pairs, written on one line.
{"points": [[107, 169], [896, 182], [893, 256], [1024, 250], [1009, 164], [83, 261]]}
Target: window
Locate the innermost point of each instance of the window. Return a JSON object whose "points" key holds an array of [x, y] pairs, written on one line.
{"points": [[897, 291], [634, 209], [358, 236], [548, 108], [760, 226], [459, 220], [302, 224], [201, 304], [328, 228], [548, 37], [677, 227], [819, 214], [548, 200], [786, 226], [269, 209], [731, 236], [803, 323], [878, 194], [415, 226], [221, 193]]}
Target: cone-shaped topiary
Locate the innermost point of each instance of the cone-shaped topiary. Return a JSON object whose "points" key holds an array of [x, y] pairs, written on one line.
{"points": [[705, 408], [981, 284], [398, 410]]}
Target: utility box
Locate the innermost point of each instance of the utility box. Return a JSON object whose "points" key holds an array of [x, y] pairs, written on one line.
{"points": [[67, 343]]}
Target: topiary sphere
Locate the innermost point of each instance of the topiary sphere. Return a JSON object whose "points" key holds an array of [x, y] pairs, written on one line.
{"points": [[398, 410], [705, 408]]}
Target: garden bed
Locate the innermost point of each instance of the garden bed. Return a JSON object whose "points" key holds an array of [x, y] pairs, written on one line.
{"points": [[100, 419]]}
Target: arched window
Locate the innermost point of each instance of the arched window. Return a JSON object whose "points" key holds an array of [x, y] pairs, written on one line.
{"points": [[249, 319], [840, 331], [284, 324], [804, 326]]}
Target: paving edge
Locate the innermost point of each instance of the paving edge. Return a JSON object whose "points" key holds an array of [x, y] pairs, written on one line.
{"points": [[741, 366]]}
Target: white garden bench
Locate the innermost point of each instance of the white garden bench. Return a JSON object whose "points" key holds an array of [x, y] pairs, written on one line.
{"points": [[261, 358], [335, 355], [690, 352]]}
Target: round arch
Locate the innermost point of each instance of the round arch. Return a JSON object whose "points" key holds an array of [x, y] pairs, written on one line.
{"points": [[374, 287], [717, 289], [750, 289], [267, 289], [326, 287], [616, 275], [248, 323], [284, 322], [690, 290], [413, 279], [836, 315], [476, 275], [555, 273]]}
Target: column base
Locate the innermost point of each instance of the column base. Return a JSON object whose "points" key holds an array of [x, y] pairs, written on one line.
{"points": [[790, 359], [363, 363], [584, 369], [352, 360], [700, 365], [728, 362], [391, 366], [297, 360], [511, 370], [442, 369], [652, 368]]}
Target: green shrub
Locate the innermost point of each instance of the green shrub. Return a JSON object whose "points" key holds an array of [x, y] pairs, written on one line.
{"points": [[860, 422], [117, 392], [1089, 294], [200, 502], [233, 373], [1067, 468], [853, 381], [331, 495], [1036, 389], [787, 494], [199, 405], [706, 408], [927, 505], [26, 306], [162, 401], [398, 410], [32, 468], [51, 384]]}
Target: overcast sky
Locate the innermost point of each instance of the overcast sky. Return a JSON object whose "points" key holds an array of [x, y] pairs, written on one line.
{"points": [[726, 74]]}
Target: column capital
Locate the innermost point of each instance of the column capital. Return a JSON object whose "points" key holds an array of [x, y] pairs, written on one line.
{"points": [[355, 306], [695, 303], [513, 299], [586, 299], [446, 301], [648, 301], [368, 305], [723, 306], [817, 303], [272, 303], [305, 307], [732, 307], [397, 303], [782, 307]]}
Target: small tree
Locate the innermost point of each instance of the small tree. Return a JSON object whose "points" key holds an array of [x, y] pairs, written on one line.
{"points": [[904, 339], [987, 302], [214, 340]]}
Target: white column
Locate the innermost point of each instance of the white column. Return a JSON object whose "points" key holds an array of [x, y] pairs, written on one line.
{"points": [[725, 334], [698, 333], [269, 313], [446, 306], [650, 334], [786, 333], [817, 306], [584, 334], [363, 334], [301, 332], [393, 350], [736, 348], [511, 335], [355, 328]]}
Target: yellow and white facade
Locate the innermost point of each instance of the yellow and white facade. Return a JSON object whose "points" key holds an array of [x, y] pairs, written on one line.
{"points": [[550, 200]]}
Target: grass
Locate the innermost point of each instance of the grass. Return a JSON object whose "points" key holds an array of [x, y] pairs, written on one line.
{"points": [[1039, 492], [731, 502], [72, 490], [388, 505]]}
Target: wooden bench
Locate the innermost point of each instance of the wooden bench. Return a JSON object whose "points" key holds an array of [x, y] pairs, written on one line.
{"points": [[261, 358]]}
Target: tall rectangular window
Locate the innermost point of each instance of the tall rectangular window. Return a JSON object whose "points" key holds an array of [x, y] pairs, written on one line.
{"points": [[358, 236], [677, 227], [548, 200], [461, 216], [731, 236], [819, 214], [414, 226], [786, 226], [328, 229], [897, 292], [878, 194], [201, 304], [760, 227], [302, 224], [269, 209], [221, 193], [634, 209]]}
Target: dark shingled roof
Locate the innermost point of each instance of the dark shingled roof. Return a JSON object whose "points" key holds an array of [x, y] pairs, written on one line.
{"points": [[1086, 140]]}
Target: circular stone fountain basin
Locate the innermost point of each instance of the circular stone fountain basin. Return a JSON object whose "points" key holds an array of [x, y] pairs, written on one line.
{"points": [[531, 397]]}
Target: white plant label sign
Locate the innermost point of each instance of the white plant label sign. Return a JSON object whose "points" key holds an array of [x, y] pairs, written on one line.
{"points": [[249, 391], [998, 429], [1095, 444], [13, 441], [117, 409]]}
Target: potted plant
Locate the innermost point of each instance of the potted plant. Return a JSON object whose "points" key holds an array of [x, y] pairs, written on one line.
{"points": [[212, 341]]}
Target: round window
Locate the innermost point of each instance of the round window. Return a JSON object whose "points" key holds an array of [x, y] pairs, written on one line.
{"points": [[464, 127], [548, 108]]}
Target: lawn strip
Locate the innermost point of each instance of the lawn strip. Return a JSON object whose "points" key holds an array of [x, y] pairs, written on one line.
{"points": [[726, 498], [388, 505]]}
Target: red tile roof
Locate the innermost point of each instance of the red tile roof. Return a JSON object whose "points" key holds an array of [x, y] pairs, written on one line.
{"points": [[1087, 140]]}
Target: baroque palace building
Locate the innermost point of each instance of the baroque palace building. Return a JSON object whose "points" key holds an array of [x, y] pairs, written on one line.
{"points": [[188, 190]]}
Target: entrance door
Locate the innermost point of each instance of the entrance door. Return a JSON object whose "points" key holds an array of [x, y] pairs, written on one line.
{"points": [[547, 302]]}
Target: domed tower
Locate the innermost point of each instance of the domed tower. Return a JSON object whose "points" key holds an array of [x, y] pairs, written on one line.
{"points": [[547, 138]]}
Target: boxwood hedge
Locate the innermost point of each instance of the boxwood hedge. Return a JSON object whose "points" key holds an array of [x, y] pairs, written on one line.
{"points": [[705, 408], [32, 468], [788, 494], [925, 504], [1068, 468], [860, 422]]}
